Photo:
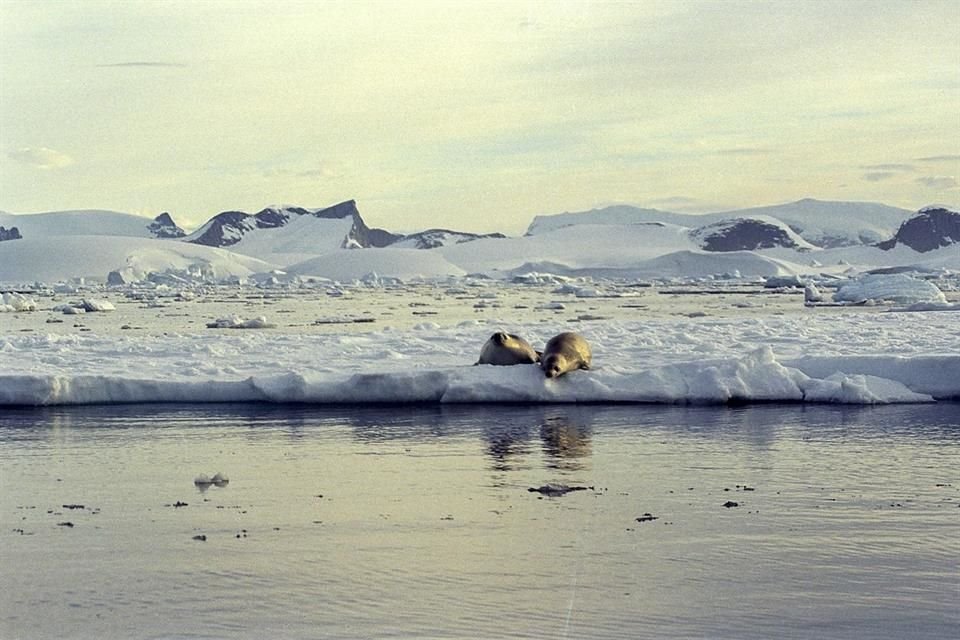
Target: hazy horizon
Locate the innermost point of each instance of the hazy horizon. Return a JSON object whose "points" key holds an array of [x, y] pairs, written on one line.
{"points": [[475, 116]]}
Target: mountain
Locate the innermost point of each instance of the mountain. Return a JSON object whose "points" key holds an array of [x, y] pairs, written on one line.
{"points": [[53, 258], [433, 238], [90, 222], [823, 224], [163, 226], [617, 242], [748, 234], [932, 228], [233, 227]]}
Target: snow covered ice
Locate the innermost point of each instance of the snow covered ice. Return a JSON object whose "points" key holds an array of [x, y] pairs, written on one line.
{"points": [[649, 354]]}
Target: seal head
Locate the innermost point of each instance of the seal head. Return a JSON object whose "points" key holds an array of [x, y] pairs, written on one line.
{"points": [[565, 352]]}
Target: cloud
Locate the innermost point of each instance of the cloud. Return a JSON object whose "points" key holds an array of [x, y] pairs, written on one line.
{"points": [[675, 201], [41, 158], [888, 167], [878, 176], [320, 171], [938, 182], [744, 151], [142, 64], [946, 158]]}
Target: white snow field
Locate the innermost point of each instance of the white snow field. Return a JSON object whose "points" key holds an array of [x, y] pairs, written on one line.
{"points": [[737, 347]]}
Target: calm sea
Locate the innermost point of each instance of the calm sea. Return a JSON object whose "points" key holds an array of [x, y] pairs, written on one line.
{"points": [[419, 522]]}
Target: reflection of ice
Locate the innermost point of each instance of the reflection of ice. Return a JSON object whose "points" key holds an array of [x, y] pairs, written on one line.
{"points": [[204, 482], [566, 443]]}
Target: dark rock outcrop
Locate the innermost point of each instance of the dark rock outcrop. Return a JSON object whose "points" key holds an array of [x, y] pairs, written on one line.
{"points": [[228, 228], [930, 229], [433, 238], [10, 234], [743, 234], [163, 226]]}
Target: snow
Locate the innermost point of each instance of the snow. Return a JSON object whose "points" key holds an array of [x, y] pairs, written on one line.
{"points": [[302, 238], [78, 223], [11, 302], [822, 223], [350, 265], [897, 287], [236, 322], [860, 357], [618, 242], [617, 280], [53, 258]]}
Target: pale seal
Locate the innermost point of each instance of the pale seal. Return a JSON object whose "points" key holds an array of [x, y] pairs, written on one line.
{"points": [[506, 349], [565, 352]]}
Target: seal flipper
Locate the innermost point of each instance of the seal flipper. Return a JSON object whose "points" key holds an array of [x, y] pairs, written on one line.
{"points": [[539, 356]]}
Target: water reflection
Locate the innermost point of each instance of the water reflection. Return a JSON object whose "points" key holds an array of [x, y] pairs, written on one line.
{"points": [[564, 430], [565, 434], [849, 505]]}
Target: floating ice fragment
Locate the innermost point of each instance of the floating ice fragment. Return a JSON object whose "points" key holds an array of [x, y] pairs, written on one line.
{"points": [[812, 294], [236, 322], [90, 304], [896, 287], [16, 302]]}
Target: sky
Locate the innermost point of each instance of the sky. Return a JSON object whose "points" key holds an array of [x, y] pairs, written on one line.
{"points": [[475, 115]]}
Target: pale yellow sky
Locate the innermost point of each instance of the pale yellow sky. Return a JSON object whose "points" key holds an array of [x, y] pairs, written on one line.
{"points": [[475, 115]]}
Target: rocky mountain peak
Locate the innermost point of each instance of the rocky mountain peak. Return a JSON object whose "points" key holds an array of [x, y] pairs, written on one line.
{"points": [[163, 226], [230, 227], [744, 234], [931, 228]]}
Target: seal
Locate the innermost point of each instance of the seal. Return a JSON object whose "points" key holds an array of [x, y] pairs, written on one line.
{"points": [[565, 352], [506, 349]]}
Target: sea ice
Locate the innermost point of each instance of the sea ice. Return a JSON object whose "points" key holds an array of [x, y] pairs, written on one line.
{"points": [[897, 287]]}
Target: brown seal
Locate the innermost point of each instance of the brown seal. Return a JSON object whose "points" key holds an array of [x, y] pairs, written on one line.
{"points": [[505, 349], [565, 352]]}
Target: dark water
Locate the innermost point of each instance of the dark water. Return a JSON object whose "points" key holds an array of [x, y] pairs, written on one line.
{"points": [[400, 522]]}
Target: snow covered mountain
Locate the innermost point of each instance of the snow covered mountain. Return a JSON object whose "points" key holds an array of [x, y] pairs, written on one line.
{"points": [[932, 228], [52, 258], [90, 223], [748, 234], [163, 226], [621, 242], [339, 226], [821, 223], [433, 238]]}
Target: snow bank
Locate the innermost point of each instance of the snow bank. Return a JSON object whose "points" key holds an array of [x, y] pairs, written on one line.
{"points": [[703, 360]]}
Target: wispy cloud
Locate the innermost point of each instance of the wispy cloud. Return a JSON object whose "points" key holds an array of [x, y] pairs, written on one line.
{"points": [[142, 63], [320, 171], [946, 158], [41, 158], [879, 176], [745, 151], [938, 182], [889, 167]]}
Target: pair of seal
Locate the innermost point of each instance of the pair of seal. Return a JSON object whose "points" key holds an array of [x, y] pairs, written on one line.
{"points": [[565, 352], [506, 349]]}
